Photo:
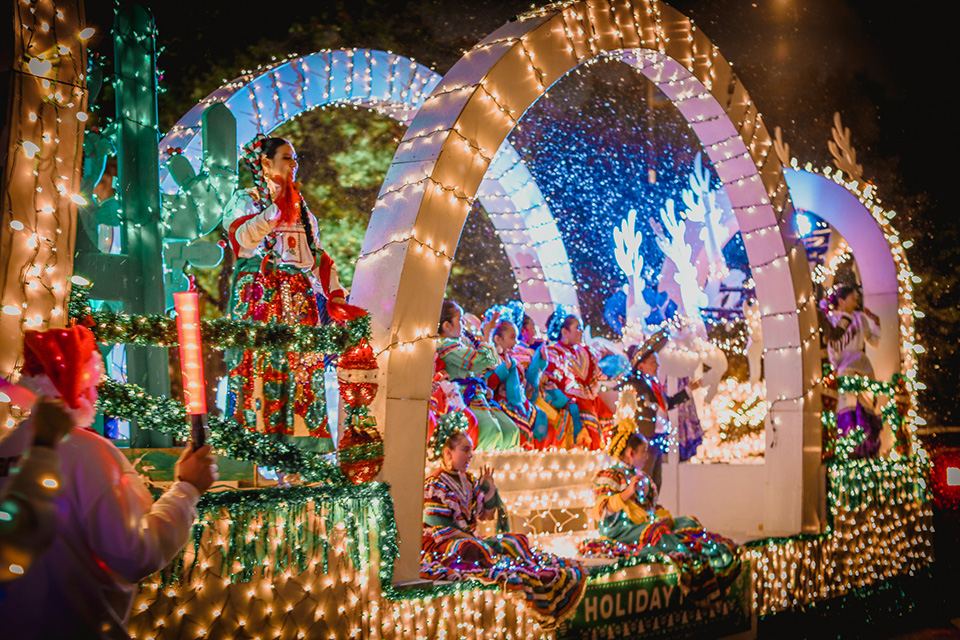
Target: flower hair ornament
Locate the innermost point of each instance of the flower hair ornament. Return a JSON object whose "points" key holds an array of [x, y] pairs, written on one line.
{"points": [[251, 154], [556, 321], [618, 437], [448, 425], [512, 311]]}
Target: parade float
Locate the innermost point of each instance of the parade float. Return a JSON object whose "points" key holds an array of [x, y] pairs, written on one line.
{"points": [[338, 556]]}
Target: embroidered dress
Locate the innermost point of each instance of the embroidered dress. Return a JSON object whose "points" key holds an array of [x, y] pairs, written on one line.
{"points": [[453, 504], [465, 365], [706, 562], [510, 389], [856, 412], [572, 382], [280, 269]]}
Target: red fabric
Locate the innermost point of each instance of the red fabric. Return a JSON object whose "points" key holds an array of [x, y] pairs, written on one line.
{"points": [[658, 392], [63, 356], [288, 201], [342, 312]]}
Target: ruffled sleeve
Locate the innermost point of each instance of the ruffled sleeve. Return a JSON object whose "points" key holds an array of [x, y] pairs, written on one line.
{"points": [[246, 223]]}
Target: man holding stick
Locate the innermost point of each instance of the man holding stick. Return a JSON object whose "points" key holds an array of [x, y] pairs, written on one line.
{"points": [[106, 533]]}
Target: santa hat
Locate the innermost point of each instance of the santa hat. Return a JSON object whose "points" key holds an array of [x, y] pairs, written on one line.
{"points": [[64, 364]]}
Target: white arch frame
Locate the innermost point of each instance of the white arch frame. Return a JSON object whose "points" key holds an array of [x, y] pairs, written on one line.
{"points": [[883, 287], [396, 86], [440, 165]]}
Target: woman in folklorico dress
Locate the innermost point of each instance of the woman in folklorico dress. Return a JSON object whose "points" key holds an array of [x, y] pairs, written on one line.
{"points": [[852, 331], [571, 381], [281, 270], [465, 359], [632, 523], [516, 387], [455, 501]]}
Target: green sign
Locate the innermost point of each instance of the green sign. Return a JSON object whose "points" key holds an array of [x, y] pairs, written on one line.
{"points": [[654, 607]]}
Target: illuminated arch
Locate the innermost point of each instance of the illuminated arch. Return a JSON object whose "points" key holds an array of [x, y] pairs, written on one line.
{"points": [[884, 272], [440, 165], [396, 86]]}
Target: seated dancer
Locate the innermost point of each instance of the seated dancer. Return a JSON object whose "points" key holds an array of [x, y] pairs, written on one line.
{"points": [[851, 331], [643, 397], [454, 503], [633, 524], [516, 390], [465, 365], [446, 398], [571, 380], [280, 272]]}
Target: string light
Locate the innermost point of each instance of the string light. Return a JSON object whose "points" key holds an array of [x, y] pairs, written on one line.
{"points": [[43, 172]]}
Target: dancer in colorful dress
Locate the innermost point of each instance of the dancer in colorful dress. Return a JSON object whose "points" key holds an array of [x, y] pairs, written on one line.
{"points": [[466, 364], [455, 501], [632, 523], [516, 388], [846, 353], [281, 268], [571, 380]]}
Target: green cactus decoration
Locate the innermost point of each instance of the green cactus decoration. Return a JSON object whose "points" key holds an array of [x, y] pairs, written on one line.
{"points": [[197, 208], [159, 236], [98, 147]]}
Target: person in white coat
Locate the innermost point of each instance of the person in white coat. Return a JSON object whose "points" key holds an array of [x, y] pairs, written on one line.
{"points": [[81, 527]]}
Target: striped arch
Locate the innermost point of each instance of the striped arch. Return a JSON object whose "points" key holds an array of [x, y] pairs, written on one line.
{"points": [[443, 159], [397, 87]]}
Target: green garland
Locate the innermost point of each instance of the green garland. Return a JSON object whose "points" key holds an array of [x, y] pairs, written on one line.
{"points": [[130, 402], [360, 453], [855, 483], [157, 330], [358, 507], [889, 413]]}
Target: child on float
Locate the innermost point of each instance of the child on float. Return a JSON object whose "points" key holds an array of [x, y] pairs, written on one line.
{"points": [[455, 501], [572, 380], [644, 399], [632, 523], [466, 364], [852, 331], [516, 388]]}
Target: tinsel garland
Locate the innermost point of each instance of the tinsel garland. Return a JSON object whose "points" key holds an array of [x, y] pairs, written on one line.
{"points": [[130, 402], [157, 330], [357, 507], [361, 452], [247, 548], [853, 483]]}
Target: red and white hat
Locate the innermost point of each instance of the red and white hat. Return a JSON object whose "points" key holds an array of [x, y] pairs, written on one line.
{"points": [[64, 364]]}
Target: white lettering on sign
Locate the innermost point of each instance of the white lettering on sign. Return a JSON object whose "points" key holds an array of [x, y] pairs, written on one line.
{"points": [[625, 604]]}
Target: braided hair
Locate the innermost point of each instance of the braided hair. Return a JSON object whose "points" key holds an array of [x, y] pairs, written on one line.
{"points": [[257, 149]]}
